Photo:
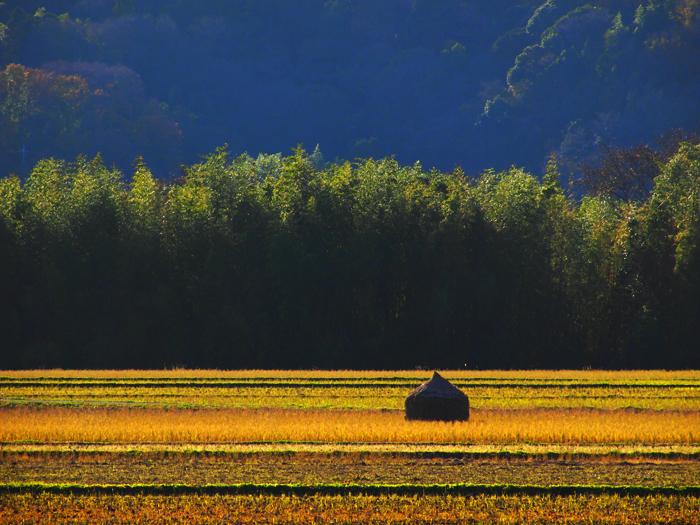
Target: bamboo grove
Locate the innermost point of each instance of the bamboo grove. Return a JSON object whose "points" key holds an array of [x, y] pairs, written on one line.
{"points": [[291, 262]]}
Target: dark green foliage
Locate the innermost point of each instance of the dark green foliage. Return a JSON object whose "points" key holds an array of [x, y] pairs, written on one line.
{"points": [[276, 263]]}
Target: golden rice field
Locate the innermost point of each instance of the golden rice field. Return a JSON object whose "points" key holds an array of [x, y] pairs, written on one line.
{"points": [[136, 425]]}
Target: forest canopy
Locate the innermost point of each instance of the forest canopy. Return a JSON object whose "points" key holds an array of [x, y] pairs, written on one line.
{"points": [[292, 262]]}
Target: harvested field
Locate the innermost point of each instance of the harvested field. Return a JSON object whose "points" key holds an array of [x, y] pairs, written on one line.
{"points": [[263, 509], [206, 429], [359, 469]]}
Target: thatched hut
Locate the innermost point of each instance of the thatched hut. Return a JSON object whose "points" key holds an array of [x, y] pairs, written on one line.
{"points": [[437, 400]]}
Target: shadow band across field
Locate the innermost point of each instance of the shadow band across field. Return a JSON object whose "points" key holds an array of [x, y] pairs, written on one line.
{"points": [[666, 453], [347, 489]]}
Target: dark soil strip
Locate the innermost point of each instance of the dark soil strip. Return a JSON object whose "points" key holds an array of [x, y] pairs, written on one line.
{"points": [[308, 490], [72, 455]]}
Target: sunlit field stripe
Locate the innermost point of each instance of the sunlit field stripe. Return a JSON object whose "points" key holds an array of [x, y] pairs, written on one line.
{"points": [[633, 452], [124, 425], [547, 375]]}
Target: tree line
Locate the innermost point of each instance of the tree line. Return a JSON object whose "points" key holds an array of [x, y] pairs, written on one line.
{"points": [[289, 262]]}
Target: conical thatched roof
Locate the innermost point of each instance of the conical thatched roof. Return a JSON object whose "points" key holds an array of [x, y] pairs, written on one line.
{"points": [[437, 400]]}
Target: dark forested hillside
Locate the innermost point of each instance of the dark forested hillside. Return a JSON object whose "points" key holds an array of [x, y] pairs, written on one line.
{"points": [[447, 82], [286, 262]]}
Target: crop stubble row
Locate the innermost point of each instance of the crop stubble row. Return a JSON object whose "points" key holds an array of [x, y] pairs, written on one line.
{"points": [[389, 398], [355, 468], [654, 390], [263, 509]]}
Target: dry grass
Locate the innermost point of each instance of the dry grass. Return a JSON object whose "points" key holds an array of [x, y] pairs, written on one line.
{"points": [[124, 425]]}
